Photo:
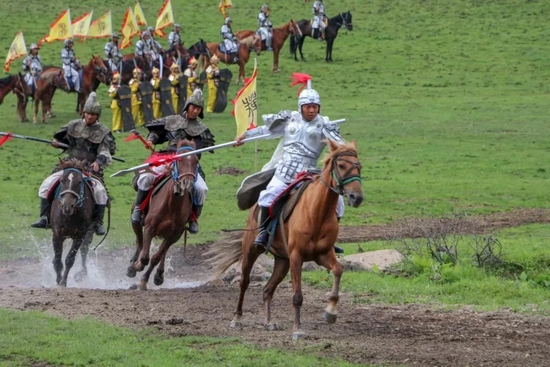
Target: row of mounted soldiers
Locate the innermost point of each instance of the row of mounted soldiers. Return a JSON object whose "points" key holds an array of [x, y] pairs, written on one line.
{"points": [[140, 102]]}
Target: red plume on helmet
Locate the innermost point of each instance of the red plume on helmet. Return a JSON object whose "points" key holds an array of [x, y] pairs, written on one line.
{"points": [[300, 78]]}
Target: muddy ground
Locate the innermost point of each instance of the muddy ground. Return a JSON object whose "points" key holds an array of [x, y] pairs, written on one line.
{"points": [[414, 335]]}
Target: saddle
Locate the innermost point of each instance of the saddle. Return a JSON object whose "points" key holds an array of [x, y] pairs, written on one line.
{"points": [[222, 49], [286, 201], [70, 79]]}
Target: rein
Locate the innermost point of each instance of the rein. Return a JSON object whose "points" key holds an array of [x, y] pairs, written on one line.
{"points": [[175, 170], [344, 22], [347, 178]]}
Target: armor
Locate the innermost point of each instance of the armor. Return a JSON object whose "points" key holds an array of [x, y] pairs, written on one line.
{"points": [[146, 46], [70, 64], [112, 53], [174, 38], [265, 27], [229, 39], [318, 10], [32, 66]]}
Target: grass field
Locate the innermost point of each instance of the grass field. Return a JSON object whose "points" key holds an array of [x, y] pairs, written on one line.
{"points": [[446, 99]]}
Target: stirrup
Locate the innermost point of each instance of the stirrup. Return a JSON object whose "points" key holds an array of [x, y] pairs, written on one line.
{"points": [[262, 239]]}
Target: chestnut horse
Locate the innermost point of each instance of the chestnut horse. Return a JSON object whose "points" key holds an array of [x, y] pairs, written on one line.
{"points": [[280, 35], [168, 213], [308, 235], [93, 72], [246, 45], [15, 83]]}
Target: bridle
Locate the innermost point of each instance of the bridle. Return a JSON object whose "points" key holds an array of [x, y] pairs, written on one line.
{"points": [[343, 180], [176, 176], [79, 195], [344, 21]]}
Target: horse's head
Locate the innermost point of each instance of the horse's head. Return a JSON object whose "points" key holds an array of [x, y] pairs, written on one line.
{"points": [[184, 170], [293, 28], [345, 171], [99, 67], [71, 185], [254, 43], [347, 20]]}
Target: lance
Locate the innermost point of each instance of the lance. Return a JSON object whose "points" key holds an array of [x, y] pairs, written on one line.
{"points": [[61, 145], [170, 159]]}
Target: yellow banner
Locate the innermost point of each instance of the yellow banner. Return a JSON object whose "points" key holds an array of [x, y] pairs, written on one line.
{"points": [[101, 27], [223, 5], [165, 18], [129, 28], [140, 17], [17, 49], [81, 25], [60, 29], [246, 105]]}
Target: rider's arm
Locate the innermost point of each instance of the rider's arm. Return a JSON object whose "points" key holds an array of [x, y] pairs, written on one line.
{"points": [[107, 50], [65, 57], [25, 65], [331, 131], [104, 157]]}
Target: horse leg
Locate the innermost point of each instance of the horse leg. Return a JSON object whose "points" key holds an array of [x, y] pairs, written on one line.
{"points": [[143, 260], [297, 298], [275, 60], [131, 271], [35, 116], [69, 260], [300, 44], [241, 72], [154, 262], [250, 255], [159, 275], [57, 251], [330, 262], [78, 277], [330, 42], [280, 270]]}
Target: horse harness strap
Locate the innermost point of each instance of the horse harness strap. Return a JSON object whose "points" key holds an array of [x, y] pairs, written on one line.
{"points": [[80, 195], [341, 181]]}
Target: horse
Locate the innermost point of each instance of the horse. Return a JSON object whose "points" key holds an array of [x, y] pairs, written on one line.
{"points": [[72, 217], [15, 83], [180, 55], [127, 65], [331, 32], [168, 212], [92, 74], [280, 35], [308, 235], [247, 44]]}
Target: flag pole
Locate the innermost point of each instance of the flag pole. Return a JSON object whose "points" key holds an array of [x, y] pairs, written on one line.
{"points": [[256, 142]]}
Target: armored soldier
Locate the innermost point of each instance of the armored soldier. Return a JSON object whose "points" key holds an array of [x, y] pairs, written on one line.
{"points": [[302, 133], [171, 129], [229, 39], [319, 16], [213, 77], [71, 65], [145, 48], [174, 38], [265, 27], [112, 52], [191, 75], [32, 66], [156, 45], [88, 140]]}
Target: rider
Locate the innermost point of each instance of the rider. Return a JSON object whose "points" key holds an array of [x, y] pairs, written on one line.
{"points": [[302, 133], [265, 28], [71, 65], [171, 129], [319, 16], [32, 66], [229, 39], [90, 140], [145, 48], [155, 82], [174, 38], [213, 76], [174, 80], [117, 113], [112, 52], [156, 45], [191, 75]]}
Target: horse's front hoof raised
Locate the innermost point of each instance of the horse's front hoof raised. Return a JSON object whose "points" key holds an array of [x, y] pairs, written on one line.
{"points": [[298, 335], [330, 317], [131, 272]]}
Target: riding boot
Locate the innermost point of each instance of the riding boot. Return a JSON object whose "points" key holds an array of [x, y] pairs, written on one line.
{"points": [[44, 221], [100, 213], [269, 44], [263, 235], [194, 224], [136, 214], [338, 249]]}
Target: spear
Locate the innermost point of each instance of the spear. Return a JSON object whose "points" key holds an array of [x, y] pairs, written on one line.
{"points": [[7, 136]]}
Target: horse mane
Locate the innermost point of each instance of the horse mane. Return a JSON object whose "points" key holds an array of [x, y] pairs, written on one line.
{"points": [[185, 142], [248, 41], [73, 163], [6, 81], [342, 147]]}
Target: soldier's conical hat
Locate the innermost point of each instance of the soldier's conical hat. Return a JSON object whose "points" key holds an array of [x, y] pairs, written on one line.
{"points": [[195, 99], [92, 105]]}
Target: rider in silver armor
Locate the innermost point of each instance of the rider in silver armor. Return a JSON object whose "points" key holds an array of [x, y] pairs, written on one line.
{"points": [[174, 38], [32, 66], [302, 133], [229, 39], [265, 27], [112, 52], [157, 46], [71, 65], [145, 47], [319, 17]]}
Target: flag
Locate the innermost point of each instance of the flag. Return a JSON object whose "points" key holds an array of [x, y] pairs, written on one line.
{"points": [[101, 27], [224, 4], [17, 49], [60, 29], [140, 17], [165, 18], [129, 28], [81, 25], [246, 105]]}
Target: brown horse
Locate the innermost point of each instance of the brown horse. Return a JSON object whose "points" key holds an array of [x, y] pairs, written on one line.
{"points": [[251, 43], [308, 235], [280, 35], [94, 71], [15, 83], [166, 217]]}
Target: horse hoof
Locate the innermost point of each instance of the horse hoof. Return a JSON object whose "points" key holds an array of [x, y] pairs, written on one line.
{"points": [[142, 286], [298, 335], [236, 325], [131, 272], [158, 280], [330, 317], [272, 327], [133, 287]]}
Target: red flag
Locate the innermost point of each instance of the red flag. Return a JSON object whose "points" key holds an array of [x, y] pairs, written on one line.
{"points": [[5, 139]]}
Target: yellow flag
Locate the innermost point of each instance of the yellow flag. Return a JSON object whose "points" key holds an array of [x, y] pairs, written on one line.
{"points": [[101, 27], [81, 25], [140, 17], [165, 18], [60, 29], [224, 4], [246, 105], [129, 28], [17, 49]]}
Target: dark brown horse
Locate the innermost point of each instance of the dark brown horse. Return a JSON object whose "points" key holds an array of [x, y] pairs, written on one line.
{"points": [[72, 217], [15, 83], [95, 71], [308, 235], [280, 35], [247, 44], [331, 32], [166, 217], [130, 61]]}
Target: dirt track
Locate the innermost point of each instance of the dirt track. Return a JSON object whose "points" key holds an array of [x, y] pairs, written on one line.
{"points": [[407, 335]]}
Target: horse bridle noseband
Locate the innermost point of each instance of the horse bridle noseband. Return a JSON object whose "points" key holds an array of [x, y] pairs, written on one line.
{"points": [[344, 22], [176, 176], [340, 180], [79, 195]]}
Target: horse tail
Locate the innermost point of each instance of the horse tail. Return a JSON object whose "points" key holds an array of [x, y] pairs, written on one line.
{"points": [[225, 252]]}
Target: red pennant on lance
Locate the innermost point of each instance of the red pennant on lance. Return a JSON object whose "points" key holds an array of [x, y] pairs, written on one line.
{"points": [[252, 126], [300, 78], [5, 139], [160, 159], [131, 137]]}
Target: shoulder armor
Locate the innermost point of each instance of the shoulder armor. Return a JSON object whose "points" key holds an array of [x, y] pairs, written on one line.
{"points": [[175, 122]]}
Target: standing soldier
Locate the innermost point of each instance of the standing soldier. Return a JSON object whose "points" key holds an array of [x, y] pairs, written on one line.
{"points": [[112, 53], [212, 74], [229, 39], [137, 112], [117, 113], [319, 19], [32, 66], [265, 28], [191, 75], [155, 82], [175, 74], [71, 65]]}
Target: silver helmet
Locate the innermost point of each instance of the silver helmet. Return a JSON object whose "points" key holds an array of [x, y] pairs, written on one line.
{"points": [[67, 41], [92, 105], [307, 96], [34, 46], [227, 20]]}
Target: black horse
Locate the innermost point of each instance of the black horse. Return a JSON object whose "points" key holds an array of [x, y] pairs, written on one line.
{"points": [[331, 32], [199, 49]]}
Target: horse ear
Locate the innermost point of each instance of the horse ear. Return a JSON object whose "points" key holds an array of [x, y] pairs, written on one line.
{"points": [[332, 145], [354, 143]]}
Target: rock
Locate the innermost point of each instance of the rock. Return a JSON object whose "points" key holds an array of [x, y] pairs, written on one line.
{"points": [[366, 260], [311, 266]]}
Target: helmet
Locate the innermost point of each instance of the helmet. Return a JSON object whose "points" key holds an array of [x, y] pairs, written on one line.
{"points": [[174, 67], [151, 30], [193, 62], [155, 72], [145, 33], [34, 46], [116, 77], [196, 100], [214, 59], [68, 41], [114, 35], [227, 20], [308, 96], [137, 72], [177, 26], [264, 7], [92, 105]]}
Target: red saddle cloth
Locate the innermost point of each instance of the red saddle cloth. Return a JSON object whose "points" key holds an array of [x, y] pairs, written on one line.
{"points": [[283, 197]]}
